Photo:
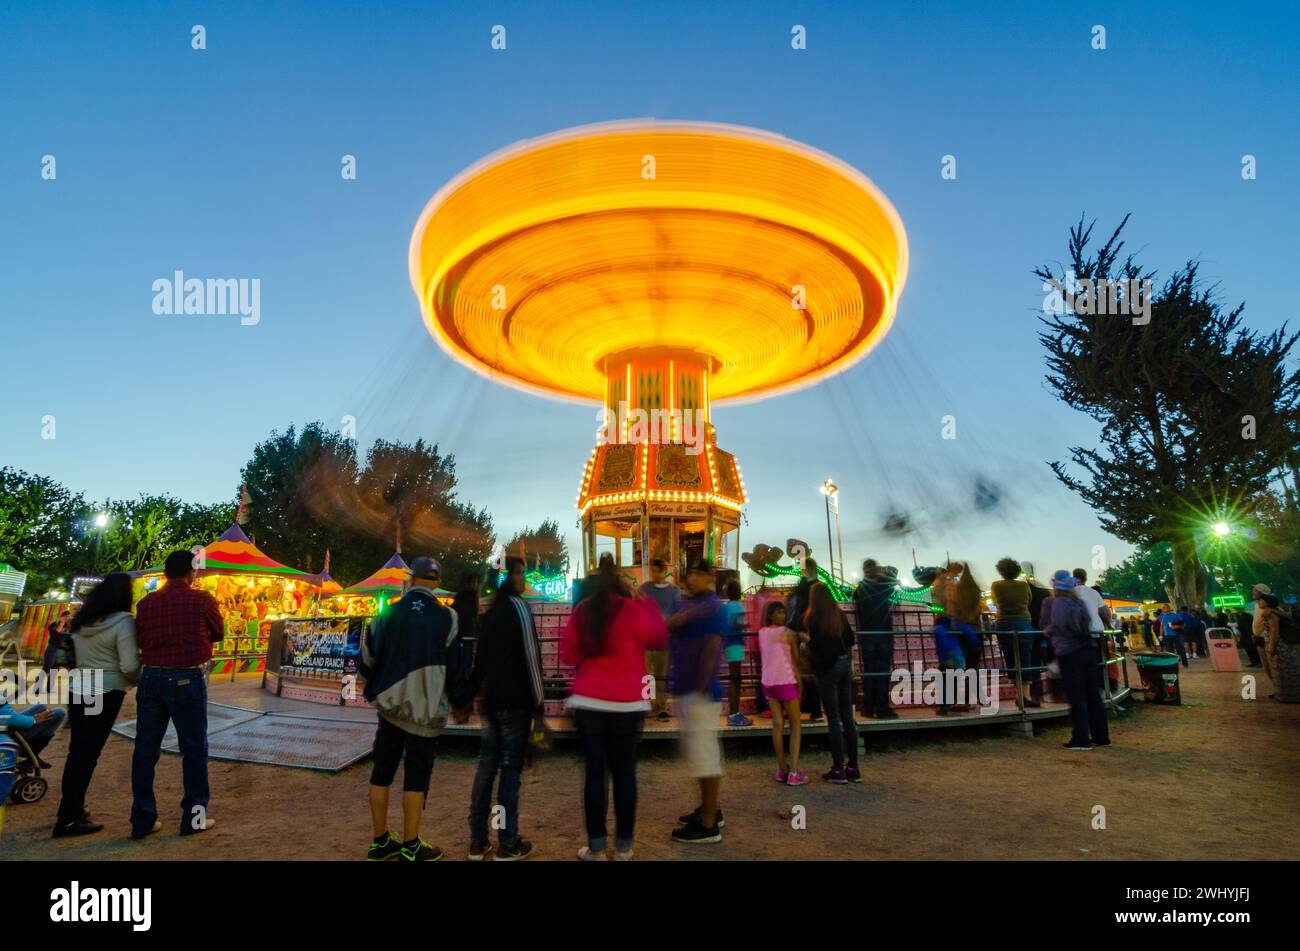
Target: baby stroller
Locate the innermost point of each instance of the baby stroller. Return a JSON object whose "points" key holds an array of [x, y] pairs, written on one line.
{"points": [[20, 766]]}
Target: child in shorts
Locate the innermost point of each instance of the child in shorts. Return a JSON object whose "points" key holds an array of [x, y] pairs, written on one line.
{"points": [[777, 645]]}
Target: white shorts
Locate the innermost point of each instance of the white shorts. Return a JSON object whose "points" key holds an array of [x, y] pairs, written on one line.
{"points": [[699, 716]]}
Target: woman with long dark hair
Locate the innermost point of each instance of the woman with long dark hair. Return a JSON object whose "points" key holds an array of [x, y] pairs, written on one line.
{"points": [[108, 664], [830, 641], [606, 641]]}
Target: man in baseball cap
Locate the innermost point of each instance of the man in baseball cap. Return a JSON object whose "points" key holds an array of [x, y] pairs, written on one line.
{"points": [[404, 659], [426, 569]]}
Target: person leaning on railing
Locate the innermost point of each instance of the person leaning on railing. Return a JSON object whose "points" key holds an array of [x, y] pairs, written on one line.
{"points": [[873, 609], [1015, 624]]}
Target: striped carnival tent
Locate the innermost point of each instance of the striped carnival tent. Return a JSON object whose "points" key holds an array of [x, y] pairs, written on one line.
{"points": [[234, 554], [387, 582]]}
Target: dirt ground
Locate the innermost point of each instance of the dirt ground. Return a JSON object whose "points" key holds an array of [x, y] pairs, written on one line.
{"points": [[1216, 778]]}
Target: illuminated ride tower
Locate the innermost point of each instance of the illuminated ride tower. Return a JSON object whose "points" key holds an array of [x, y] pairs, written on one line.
{"points": [[655, 269]]}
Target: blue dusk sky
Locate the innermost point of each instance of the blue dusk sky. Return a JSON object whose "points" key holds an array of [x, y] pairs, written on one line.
{"points": [[225, 162]]}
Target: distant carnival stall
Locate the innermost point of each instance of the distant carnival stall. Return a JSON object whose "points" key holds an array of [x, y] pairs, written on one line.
{"points": [[252, 590]]}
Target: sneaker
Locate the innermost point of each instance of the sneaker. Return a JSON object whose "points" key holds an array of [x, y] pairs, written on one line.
{"points": [[797, 778], [1077, 747], [77, 827], [1101, 743], [853, 774], [586, 855], [694, 817], [835, 775], [887, 715], [478, 851], [695, 834], [384, 848], [663, 716], [420, 851], [520, 850], [739, 719], [622, 856], [781, 775], [816, 719], [44, 764], [1032, 704]]}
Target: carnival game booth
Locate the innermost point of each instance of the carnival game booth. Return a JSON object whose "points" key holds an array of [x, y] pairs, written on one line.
{"points": [[252, 590], [315, 658]]}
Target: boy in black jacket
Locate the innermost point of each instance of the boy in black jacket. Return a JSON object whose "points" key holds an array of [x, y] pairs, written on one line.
{"points": [[508, 676]]}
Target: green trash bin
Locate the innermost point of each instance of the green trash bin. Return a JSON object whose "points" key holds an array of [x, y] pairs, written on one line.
{"points": [[1159, 672]]}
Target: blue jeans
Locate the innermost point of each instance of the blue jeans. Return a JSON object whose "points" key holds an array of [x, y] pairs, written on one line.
{"points": [[1176, 644], [181, 697], [1013, 631], [504, 742]]}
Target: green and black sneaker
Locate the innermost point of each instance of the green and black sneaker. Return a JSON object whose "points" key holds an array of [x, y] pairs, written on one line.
{"points": [[420, 851], [384, 848]]}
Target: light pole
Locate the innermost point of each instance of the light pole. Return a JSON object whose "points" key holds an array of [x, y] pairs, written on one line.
{"points": [[832, 493], [101, 522]]}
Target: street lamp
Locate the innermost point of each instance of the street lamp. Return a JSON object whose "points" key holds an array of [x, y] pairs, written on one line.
{"points": [[832, 493], [101, 522]]}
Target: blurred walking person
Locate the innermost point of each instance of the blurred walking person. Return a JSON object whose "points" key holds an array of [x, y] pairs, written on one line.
{"points": [[695, 647], [607, 639]]}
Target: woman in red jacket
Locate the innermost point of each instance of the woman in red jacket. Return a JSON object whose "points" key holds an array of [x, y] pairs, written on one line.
{"points": [[606, 640]]}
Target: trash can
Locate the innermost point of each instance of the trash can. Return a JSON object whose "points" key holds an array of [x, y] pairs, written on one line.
{"points": [[1159, 672]]}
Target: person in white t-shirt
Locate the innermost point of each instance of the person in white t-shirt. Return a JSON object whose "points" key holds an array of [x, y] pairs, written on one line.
{"points": [[1098, 612]]}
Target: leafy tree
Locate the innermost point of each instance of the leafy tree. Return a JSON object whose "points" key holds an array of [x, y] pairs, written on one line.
{"points": [[43, 529], [301, 486], [544, 548], [409, 491], [142, 532], [1197, 411], [1142, 576], [307, 493]]}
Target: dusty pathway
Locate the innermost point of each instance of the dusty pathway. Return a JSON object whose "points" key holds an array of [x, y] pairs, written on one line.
{"points": [[1212, 779]]}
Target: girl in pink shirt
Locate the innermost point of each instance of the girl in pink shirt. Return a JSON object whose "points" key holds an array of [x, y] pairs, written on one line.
{"points": [[777, 644]]}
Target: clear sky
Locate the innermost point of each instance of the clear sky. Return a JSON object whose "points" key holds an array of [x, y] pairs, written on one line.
{"points": [[226, 163]]}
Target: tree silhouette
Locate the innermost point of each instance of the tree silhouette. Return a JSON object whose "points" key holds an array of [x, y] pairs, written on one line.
{"points": [[1198, 412]]}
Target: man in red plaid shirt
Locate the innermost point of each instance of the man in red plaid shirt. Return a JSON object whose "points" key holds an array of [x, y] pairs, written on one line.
{"points": [[175, 628]]}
